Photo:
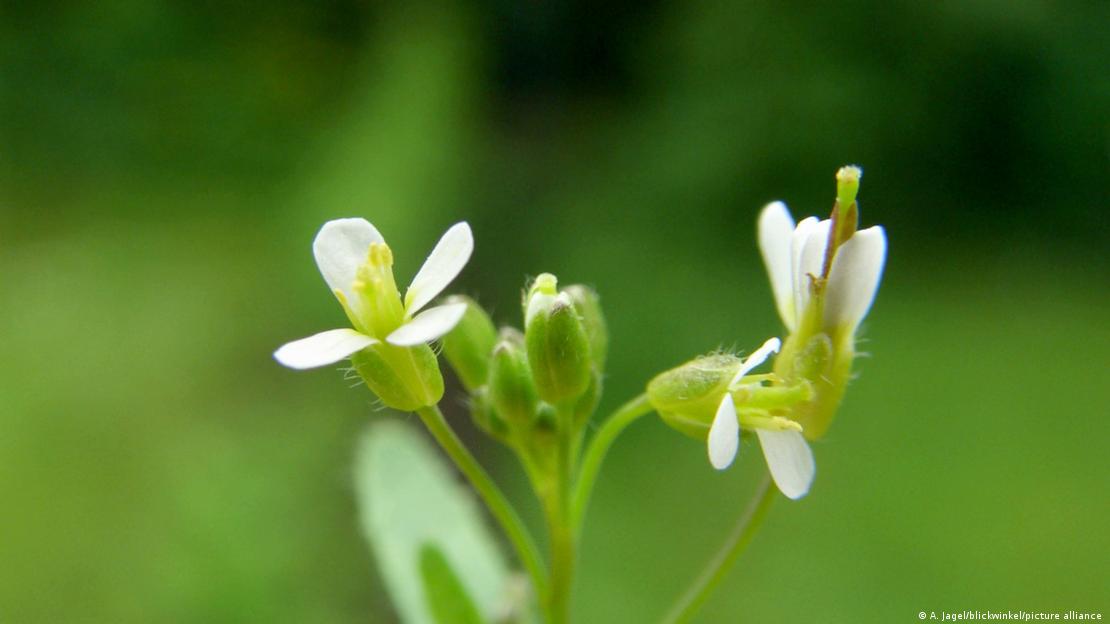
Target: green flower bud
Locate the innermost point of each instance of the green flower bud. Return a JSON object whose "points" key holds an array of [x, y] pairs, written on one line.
{"points": [[511, 387], [687, 397], [588, 305], [558, 348], [542, 444], [587, 403], [404, 378], [467, 347], [544, 284], [485, 416]]}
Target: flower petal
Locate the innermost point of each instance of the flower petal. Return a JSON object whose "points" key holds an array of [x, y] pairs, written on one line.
{"points": [[760, 355], [776, 228], [443, 264], [428, 325], [789, 459], [797, 244], [811, 261], [854, 279], [340, 248], [724, 435], [322, 349]]}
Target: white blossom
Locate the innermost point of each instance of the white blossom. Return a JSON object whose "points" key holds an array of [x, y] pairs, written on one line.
{"points": [[357, 266]]}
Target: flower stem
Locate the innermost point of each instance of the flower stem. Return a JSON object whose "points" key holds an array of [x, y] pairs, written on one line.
{"points": [[495, 500], [737, 541], [598, 447], [562, 537]]}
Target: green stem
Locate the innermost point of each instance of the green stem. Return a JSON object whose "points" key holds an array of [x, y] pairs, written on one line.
{"points": [[498, 504], [715, 572], [598, 447], [563, 546], [562, 563]]}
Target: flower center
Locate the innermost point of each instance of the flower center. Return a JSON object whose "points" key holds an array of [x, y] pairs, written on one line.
{"points": [[380, 310]]}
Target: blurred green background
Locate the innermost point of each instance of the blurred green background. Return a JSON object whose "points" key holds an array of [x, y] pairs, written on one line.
{"points": [[164, 167]]}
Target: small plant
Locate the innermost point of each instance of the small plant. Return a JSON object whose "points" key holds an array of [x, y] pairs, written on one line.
{"points": [[535, 388]]}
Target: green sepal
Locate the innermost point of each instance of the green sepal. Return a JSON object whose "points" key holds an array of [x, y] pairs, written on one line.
{"points": [[404, 378], [687, 397], [587, 403], [542, 441], [558, 349], [511, 387], [485, 415], [467, 347], [588, 304], [827, 368]]}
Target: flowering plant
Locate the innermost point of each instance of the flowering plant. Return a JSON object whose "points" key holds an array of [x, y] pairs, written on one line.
{"points": [[534, 390]]}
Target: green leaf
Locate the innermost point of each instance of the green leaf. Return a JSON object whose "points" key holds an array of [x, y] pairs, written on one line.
{"points": [[410, 500], [447, 598]]}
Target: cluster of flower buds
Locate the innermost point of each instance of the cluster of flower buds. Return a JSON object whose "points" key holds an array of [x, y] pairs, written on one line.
{"points": [[528, 388]]}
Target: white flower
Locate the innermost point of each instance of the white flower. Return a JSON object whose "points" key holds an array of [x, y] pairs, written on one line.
{"points": [[796, 259], [788, 456], [358, 267]]}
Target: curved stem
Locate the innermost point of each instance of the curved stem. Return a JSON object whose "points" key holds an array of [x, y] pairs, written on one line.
{"points": [[498, 504], [598, 447], [715, 572]]}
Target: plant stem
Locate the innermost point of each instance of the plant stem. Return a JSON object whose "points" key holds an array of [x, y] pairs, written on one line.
{"points": [[495, 500], [598, 447], [715, 572], [562, 563], [562, 537]]}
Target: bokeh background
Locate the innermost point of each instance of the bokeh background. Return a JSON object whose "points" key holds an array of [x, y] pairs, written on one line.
{"points": [[164, 167]]}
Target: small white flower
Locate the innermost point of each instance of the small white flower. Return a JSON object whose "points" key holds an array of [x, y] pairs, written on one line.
{"points": [[788, 456], [795, 257], [358, 267]]}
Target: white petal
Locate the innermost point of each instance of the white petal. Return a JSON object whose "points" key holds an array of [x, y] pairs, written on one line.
{"points": [[428, 325], [724, 435], [811, 261], [322, 349], [757, 357], [789, 459], [797, 244], [776, 228], [443, 264], [854, 278], [340, 248]]}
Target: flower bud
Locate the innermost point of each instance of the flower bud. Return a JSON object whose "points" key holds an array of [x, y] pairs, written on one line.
{"points": [[587, 403], [687, 397], [558, 348], [511, 387], [485, 416], [588, 305], [404, 378], [467, 347]]}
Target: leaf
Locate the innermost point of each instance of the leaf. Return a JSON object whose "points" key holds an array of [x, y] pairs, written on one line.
{"points": [[447, 598], [410, 500]]}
